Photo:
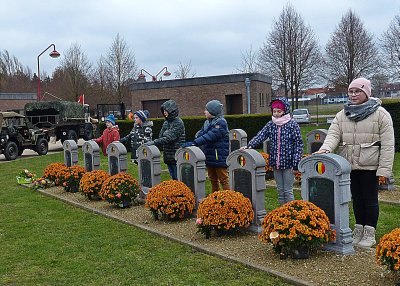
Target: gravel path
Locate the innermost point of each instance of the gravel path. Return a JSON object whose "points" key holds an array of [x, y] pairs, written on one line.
{"points": [[323, 268]]}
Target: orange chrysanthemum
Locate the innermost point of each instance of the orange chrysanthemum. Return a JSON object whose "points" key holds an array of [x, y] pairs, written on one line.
{"points": [[53, 173], [120, 189], [388, 250], [172, 199], [92, 182]]}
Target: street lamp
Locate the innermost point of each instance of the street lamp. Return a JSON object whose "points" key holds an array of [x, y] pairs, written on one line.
{"points": [[153, 77], [53, 54]]}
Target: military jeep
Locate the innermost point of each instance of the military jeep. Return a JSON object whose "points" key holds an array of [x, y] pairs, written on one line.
{"points": [[16, 135]]}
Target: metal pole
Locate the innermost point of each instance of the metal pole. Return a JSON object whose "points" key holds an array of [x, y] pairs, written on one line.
{"points": [[247, 83]]}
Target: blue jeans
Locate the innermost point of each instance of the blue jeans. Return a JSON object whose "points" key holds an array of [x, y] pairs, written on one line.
{"points": [[173, 172], [284, 184]]}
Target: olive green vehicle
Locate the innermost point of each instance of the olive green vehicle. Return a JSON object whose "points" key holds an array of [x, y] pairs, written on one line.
{"points": [[64, 120], [17, 134]]}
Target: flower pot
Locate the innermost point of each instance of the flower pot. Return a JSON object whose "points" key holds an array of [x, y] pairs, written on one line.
{"points": [[23, 180], [300, 252], [124, 204], [94, 197]]}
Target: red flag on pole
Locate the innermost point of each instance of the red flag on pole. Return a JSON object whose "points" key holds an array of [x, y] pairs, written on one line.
{"points": [[81, 99]]}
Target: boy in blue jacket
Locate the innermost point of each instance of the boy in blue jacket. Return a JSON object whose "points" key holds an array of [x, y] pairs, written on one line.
{"points": [[214, 141]]}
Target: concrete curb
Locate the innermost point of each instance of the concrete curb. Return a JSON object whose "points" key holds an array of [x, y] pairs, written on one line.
{"points": [[283, 276]]}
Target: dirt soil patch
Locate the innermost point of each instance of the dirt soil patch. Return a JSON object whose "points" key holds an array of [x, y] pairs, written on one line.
{"points": [[323, 268]]}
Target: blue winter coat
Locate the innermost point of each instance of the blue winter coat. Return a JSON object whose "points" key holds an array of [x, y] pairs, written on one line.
{"points": [[213, 138]]}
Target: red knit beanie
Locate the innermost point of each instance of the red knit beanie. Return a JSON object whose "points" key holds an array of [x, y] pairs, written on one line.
{"points": [[278, 104]]}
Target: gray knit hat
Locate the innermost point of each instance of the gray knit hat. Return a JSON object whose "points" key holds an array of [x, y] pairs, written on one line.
{"points": [[214, 107]]}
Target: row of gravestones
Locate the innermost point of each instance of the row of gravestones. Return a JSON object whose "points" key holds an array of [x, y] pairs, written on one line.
{"points": [[326, 179]]}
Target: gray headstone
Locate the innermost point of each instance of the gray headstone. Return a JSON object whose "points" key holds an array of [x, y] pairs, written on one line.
{"points": [[191, 167], [70, 153], [326, 183], [237, 139], [149, 167], [117, 158], [266, 146], [315, 139], [91, 155], [247, 176]]}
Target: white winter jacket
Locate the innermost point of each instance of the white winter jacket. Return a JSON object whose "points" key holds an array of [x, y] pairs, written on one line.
{"points": [[367, 144]]}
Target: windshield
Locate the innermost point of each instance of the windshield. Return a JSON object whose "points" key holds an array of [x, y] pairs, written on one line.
{"points": [[300, 112]]}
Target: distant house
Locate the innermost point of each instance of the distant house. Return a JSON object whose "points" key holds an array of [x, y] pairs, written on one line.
{"points": [[15, 101], [240, 94], [389, 90]]}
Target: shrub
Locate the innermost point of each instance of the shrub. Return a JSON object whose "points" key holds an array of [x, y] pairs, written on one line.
{"points": [[92, 182], [388, 250], [294, 225], [172, 199], [224, 211], [71, 177], [120, 189]]}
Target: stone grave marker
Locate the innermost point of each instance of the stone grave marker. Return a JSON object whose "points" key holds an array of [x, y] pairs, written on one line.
{"points": [[266, 146], [315, 139], [191, 166], [91, 155], [247, 176], [237, 139], [388, 185], [117, 158], [149, 168], [70, 153], [326, 183]]}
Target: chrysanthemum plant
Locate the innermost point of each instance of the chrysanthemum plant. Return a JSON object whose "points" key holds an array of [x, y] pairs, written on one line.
{"points": [[224, 211], [171, 199], [121, 190], [388, 251], [91, 183], [53, 173], [71, 177], [297, 224]]}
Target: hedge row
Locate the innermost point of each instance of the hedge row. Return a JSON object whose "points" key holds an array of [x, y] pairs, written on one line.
{"points": [[250, 123]]}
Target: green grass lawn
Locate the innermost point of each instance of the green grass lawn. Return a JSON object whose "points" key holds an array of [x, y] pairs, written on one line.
{"points": [[47, 242]]}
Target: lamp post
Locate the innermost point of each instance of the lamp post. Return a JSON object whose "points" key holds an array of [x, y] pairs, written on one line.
{"points": [[154, 77], [53, 54]]}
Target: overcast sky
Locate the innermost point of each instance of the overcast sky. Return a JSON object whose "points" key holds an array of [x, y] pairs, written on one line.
{"points": [[211, 34]]}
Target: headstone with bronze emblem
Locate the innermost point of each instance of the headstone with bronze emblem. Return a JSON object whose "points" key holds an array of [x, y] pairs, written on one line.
{"points": [[237, 139], [247, 176], [70, 153], [326, 183], [117, 158], [315, 139], [191, 166], [91, 155], [149, 167]]}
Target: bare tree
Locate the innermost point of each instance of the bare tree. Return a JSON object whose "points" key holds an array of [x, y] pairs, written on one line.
{"points": [[13, 76], [77, 68], [350, 52], [291, 54], [249, 62], [120, 67], [184, 71], [391, 49]]}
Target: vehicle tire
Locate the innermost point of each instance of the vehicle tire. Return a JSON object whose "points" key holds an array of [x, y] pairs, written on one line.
{"points": [[42, 146], [71, 135], [11, 151], [88, 132]]}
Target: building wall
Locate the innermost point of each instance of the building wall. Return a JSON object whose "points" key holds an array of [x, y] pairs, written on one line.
{"points": [[15, 101], [192, 94]]}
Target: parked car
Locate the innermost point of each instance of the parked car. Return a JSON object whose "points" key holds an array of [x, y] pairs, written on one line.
{"points": [[301, 115], [16, 135]]}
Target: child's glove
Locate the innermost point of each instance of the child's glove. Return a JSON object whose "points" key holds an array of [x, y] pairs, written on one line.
{"points": [[188, 144]]}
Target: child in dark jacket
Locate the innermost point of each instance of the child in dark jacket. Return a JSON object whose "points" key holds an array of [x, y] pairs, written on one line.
{"points": [[141, 132], [110, 134], [171, 137], [286, 147], [214, 141]]}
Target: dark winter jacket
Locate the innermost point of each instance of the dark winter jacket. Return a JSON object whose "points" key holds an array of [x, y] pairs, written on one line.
{"points": [[139, 134], [285, 142], [213, 138], [172, 133]]}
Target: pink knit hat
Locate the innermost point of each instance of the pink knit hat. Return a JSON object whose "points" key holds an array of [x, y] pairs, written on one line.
{"points": [[363, 84], [278, 104]]}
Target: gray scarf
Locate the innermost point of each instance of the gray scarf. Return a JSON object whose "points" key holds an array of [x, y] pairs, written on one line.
{"points": [[358, 112]]}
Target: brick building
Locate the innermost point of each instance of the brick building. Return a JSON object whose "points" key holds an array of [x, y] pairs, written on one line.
{"points": [[192, 94], [15, 101]]}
